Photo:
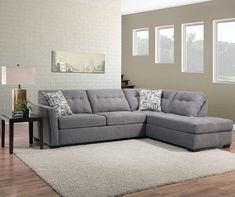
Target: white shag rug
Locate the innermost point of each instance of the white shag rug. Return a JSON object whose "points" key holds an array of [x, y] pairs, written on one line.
{"points": [[121, 167]]}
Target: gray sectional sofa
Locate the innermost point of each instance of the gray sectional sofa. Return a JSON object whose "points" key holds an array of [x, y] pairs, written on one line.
{"points": [[111, 114]]}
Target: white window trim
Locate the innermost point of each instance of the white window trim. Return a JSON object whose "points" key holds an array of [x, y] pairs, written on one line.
{"points": [[157, 43], [215, 22], [183, 46], [134, 45]]}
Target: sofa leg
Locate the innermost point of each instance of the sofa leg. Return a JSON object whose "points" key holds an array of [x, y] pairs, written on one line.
{"points": [[52, 147], [192, 150], [227, 146], [36, 139]]}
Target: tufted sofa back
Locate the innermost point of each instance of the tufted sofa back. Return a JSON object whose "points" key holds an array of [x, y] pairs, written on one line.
{"points": [[77, 100], [107, 100], [132, 96], [178, 102], [184, 103]]}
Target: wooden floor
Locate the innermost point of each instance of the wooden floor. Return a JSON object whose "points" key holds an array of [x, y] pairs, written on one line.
{"points": [[18, 180]]}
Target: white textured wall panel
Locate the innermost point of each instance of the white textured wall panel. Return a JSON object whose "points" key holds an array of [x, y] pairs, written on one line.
{"points": [[31, 29]]}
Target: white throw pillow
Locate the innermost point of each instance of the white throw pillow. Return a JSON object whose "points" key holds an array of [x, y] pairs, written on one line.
{"points": [[150, 100], [58, 102]]}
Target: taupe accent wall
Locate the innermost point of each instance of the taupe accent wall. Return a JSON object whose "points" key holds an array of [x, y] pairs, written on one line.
{"points": [[144, 73]]}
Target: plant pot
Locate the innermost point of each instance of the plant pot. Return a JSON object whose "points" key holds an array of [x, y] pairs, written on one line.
{"points": [[26, 113]]}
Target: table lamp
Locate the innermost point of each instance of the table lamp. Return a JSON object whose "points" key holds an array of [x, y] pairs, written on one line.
{"points": [[17, 76]]}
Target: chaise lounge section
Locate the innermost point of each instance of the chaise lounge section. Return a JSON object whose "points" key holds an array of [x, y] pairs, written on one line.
{"points": [[111, 114], [184, 121]]}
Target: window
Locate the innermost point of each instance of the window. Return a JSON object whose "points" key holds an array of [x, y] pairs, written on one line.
{"points": [[192, 47], [224, 51], [164, 44], [141, 42]]}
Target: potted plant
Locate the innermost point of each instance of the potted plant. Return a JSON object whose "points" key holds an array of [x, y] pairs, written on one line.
{"points": [[23, 105]]}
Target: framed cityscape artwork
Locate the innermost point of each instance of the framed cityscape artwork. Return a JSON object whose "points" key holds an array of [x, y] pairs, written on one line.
{"points": [[66, 62]]}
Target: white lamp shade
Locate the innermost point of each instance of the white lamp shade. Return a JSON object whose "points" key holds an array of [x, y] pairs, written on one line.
{"points": [[17, 75]]}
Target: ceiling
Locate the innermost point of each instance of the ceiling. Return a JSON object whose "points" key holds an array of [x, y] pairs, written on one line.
{"points": [[135, 6]]}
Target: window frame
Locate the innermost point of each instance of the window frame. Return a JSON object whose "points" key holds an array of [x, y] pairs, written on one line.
{"points": [[134, 40], [183, 46], [215, 39], [157, 43]]}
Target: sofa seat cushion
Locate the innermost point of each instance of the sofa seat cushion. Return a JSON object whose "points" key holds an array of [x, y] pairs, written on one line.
{"points": [[81, 121], [123, 117], [187, 124]]}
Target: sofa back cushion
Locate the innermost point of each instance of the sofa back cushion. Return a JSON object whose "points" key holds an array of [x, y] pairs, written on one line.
{"points": [[132, 96], [167, 98], [204, 110], [77, 100], [187, 103], [178, 102], [107, 100]]}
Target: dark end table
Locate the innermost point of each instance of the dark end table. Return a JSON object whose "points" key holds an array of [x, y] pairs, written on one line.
{"points": [[11, 120]]}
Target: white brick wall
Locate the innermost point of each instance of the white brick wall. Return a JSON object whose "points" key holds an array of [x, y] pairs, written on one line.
{"points": [[31, 29]]}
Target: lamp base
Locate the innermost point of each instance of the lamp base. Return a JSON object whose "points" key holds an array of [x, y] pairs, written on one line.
{"points": [[17, 114], [17, 95]]}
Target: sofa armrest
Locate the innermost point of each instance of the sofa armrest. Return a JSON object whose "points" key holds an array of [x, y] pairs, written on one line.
{"points": [[50, 122]]}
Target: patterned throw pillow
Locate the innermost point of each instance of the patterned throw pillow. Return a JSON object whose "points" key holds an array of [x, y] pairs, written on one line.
{"points": [[58, 102], [150, 100]]}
